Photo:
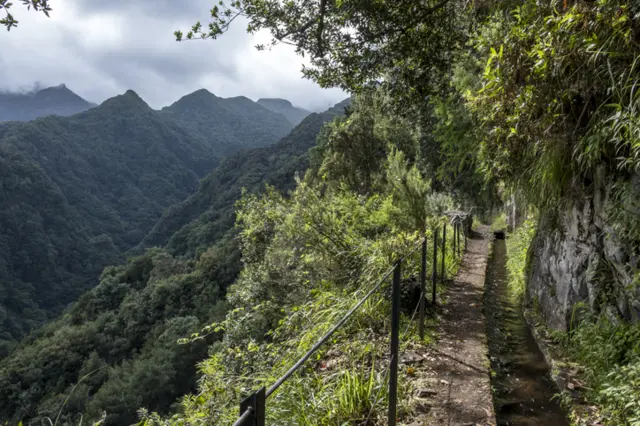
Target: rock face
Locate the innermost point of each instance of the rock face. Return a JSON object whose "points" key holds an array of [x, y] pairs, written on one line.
{"points": [[576, 256]]}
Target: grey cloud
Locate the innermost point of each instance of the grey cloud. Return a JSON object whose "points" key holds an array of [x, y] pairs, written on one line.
{"points": [[148, 60], [197, 9]]}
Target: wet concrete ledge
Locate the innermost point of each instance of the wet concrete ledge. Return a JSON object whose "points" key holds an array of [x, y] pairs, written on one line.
{"points": [[578, 410]]}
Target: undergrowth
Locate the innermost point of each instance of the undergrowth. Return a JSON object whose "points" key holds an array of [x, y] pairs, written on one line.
{"points": [[309, 257], [518, 244], [608, 352], [499, 223]]}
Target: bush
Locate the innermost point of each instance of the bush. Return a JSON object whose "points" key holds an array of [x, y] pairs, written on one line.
{"points": [[610, 354], [517, 249]]}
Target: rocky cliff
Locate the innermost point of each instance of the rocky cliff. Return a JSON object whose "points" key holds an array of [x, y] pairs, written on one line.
{"points": [[577, 256]]}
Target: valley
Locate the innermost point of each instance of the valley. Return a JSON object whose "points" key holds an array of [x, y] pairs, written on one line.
{"points": [[79, 192], [149, 163]]}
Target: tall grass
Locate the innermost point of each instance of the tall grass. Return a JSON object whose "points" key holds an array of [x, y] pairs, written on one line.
{"points": [[499, 223], [517, 249]]}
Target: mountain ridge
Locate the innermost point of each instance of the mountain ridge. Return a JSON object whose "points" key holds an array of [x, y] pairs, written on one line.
{"points": [[125, 328], [294, 114], [116, 167], [216, 118], [217, 190], [56, 100]]}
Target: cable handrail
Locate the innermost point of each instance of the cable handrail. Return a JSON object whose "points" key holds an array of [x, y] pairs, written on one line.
{"points": [[244, 417], [339, 324], [252, 408]]}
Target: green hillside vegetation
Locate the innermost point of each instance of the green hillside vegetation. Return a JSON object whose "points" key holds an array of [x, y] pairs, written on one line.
{"points": [[58, 100], [538, 98], [80, 191], [307, 258], [118, 342], [205, 216], [282, 106], [125, 329], [46, 250]]}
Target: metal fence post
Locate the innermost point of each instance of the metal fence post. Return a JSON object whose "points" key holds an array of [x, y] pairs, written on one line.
{"points": [[256, 402], [395, 337], [458, 245], [444, 252], [423, 287], [453, 246], [465, 241], [434, 268]]}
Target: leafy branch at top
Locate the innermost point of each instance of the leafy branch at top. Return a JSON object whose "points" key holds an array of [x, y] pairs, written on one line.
{"points": [[9, 21], [352, 44]]}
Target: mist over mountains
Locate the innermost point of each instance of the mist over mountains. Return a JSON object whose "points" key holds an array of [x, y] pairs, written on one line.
{"points": [[26, 106]]}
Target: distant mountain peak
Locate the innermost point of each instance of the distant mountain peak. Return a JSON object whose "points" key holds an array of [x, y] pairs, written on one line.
{"points": [[282, 106], [240, 98], [200, 99], [201, 92], [54, 100], [275, 101], [128, 99], [59, 92], [132, 94]]}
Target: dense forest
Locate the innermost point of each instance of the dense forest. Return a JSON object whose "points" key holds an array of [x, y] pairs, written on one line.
{"points": [[526, 105], [204, 217], [125, 329], [78, 192]]}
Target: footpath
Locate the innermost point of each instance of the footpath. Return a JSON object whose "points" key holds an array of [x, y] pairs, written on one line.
{"points": [[453, 381]]}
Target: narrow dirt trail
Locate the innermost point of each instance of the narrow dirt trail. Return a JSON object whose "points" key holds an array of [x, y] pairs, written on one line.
{"points": [[453, 385]]}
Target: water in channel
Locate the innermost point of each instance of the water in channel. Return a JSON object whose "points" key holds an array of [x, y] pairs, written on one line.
{"points": [[523, 390]]}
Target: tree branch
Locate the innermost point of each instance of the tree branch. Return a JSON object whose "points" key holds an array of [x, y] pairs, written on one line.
{"points": [[323, 5], [302, 29]]}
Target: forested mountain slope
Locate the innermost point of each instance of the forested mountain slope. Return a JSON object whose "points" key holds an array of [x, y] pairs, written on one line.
{"points": [[229, 124], [118, 164], [124, 330], [98, 181], [207, 214], [47, 252], [58, 100], [294, 114]]}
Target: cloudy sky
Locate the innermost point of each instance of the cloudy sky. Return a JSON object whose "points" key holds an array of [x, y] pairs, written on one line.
{"points": [[101, 48]]}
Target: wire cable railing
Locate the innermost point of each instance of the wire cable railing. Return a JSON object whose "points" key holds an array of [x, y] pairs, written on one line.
{"points": [[253, 407]]}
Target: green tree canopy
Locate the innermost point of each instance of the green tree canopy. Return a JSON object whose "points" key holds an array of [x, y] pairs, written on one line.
{"points": [[351, 44]]}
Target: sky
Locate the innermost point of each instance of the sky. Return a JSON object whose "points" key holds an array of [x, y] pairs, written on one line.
{"points": [[101, 48]]}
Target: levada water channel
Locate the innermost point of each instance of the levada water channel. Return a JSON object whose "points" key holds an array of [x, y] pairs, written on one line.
{"points": [[522, 389]]}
